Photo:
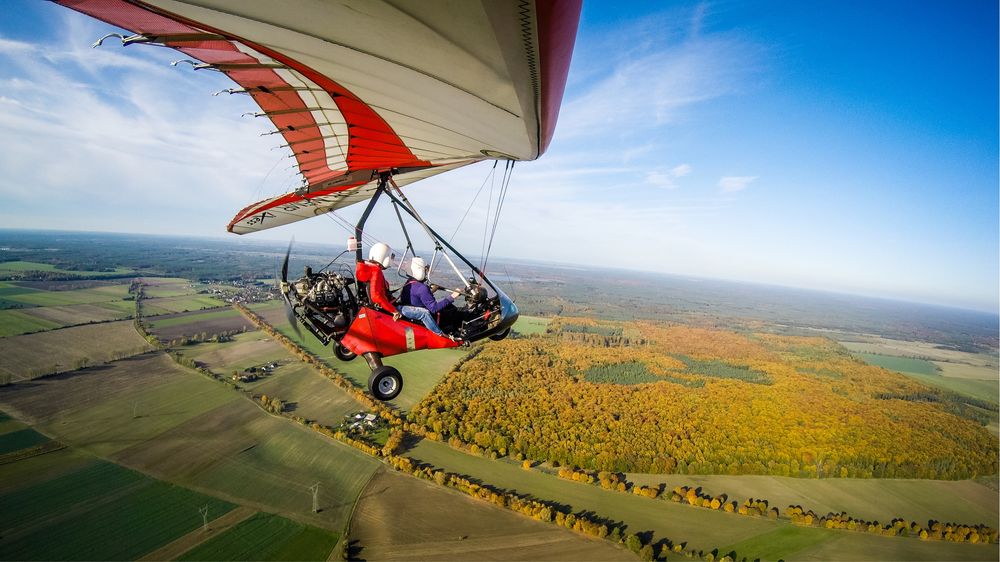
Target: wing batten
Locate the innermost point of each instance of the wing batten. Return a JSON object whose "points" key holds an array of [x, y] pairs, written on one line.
{"points": [[355, 87]]}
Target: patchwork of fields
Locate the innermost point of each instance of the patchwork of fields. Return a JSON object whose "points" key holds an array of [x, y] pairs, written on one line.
{"points": [[69, 505], [33, 355], [402, 518], [708, 529], [150, 443]]}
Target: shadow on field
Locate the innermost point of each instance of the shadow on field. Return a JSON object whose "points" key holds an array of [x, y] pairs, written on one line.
{"points": [[354, 550]]}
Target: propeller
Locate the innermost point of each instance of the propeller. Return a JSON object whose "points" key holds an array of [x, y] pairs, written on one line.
{"points": [[285, 288]]}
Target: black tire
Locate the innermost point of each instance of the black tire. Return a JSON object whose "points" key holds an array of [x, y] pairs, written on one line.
{"points": [[342, 353], [500, 335], [385, 383]]}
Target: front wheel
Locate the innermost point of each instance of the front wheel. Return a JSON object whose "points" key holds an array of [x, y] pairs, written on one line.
{"points": [[385, 383], [342, 353]]}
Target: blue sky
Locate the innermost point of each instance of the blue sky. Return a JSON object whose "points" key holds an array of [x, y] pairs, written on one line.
{"points": [[843, 146]]}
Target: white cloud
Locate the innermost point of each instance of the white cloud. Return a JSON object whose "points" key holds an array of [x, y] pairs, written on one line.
{"points": [[681, 171], [732, 184], [665, 180]]}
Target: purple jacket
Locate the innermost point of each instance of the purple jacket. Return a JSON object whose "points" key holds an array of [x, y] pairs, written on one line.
{"points": [[416, 293]]}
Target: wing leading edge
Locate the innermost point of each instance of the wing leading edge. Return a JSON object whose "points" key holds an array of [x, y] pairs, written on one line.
{"points": [[362, 86]]}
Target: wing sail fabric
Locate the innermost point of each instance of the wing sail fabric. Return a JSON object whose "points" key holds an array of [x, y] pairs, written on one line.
{"points": [[360, 86]]}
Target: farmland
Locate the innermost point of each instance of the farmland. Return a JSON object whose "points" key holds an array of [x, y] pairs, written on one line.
{"points": [[964, 501], [184, 303], [31, 355], [14, 268], [402, 518], [58, 518], [203, 438], [149, 414], [29, 307], [265, 536], [189, 324], [702, 528]]}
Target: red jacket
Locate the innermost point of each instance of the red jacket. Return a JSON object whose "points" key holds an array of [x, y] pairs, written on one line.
{"points": [[378, 289]]}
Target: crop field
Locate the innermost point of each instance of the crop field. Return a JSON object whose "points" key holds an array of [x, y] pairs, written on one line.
{"points": [[112, 407], [20, 439], [700, 528], [15, 322], [149, 414], [58, 519], [277, 466], [35, 309], [529, 325], [184, 303], [245, 350], [927, 373], [306, 393], [84, 313], [421, 370], [402, 518], [188, 324], [10, 267], [33, 355], [92, 295], [963, 501], [265, 536]]}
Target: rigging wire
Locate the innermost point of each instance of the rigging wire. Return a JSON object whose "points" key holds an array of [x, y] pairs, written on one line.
{"points": [[486, 225], [474, 199], [504, 186]]}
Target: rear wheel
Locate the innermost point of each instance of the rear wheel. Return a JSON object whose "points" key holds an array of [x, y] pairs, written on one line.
{"points": [[342, 352], [385, 383], [500, 335]]}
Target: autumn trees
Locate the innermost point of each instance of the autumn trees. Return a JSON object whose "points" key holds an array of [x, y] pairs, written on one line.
{"points": [[722, 403]]}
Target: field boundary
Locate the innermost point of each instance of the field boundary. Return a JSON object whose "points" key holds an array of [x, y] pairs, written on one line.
{"points": [[216, 527]]}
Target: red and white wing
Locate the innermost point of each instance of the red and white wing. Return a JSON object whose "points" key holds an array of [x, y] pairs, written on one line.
{"points": [[356, 87]]}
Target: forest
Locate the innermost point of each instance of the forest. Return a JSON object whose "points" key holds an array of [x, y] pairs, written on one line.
{"points": [[665, 398]]}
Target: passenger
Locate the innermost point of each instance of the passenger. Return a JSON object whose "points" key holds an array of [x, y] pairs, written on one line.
{"points": [[417, 302], [370, 272]]}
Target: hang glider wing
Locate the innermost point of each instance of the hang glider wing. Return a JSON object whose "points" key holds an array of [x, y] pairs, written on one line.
{"points": [[356, 87]]}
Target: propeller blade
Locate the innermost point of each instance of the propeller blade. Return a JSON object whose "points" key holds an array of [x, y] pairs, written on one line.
{"points": [[284, 265], [285, 288]]}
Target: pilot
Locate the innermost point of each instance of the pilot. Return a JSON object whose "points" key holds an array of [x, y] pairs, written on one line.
{"points": [[417, 302], [370, 272]]}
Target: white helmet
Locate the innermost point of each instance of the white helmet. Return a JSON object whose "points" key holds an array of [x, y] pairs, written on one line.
{"points": [[380, 253], [418, 269]]}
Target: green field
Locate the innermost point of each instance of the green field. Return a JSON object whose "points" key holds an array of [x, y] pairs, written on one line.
{"points": [[246, 350], [168, 305], [9, 267], [902, 364], [20, 439], [172, 423], [928, 373], [307, 393], [700, 528], [32, 355], [963, 501], [530, 325], [133, 514], [14, 322], [266, 537], [77, 296], [226, 312]]}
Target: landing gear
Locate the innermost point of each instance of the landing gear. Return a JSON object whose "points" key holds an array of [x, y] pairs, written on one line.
{"points": [[342, 353], [501, 335], [385, 383]]}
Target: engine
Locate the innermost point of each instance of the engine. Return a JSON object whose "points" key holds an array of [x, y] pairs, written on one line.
{"points": [[326, 302]]}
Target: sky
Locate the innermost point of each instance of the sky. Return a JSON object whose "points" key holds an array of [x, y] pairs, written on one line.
{"points": [[840, 146]]}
